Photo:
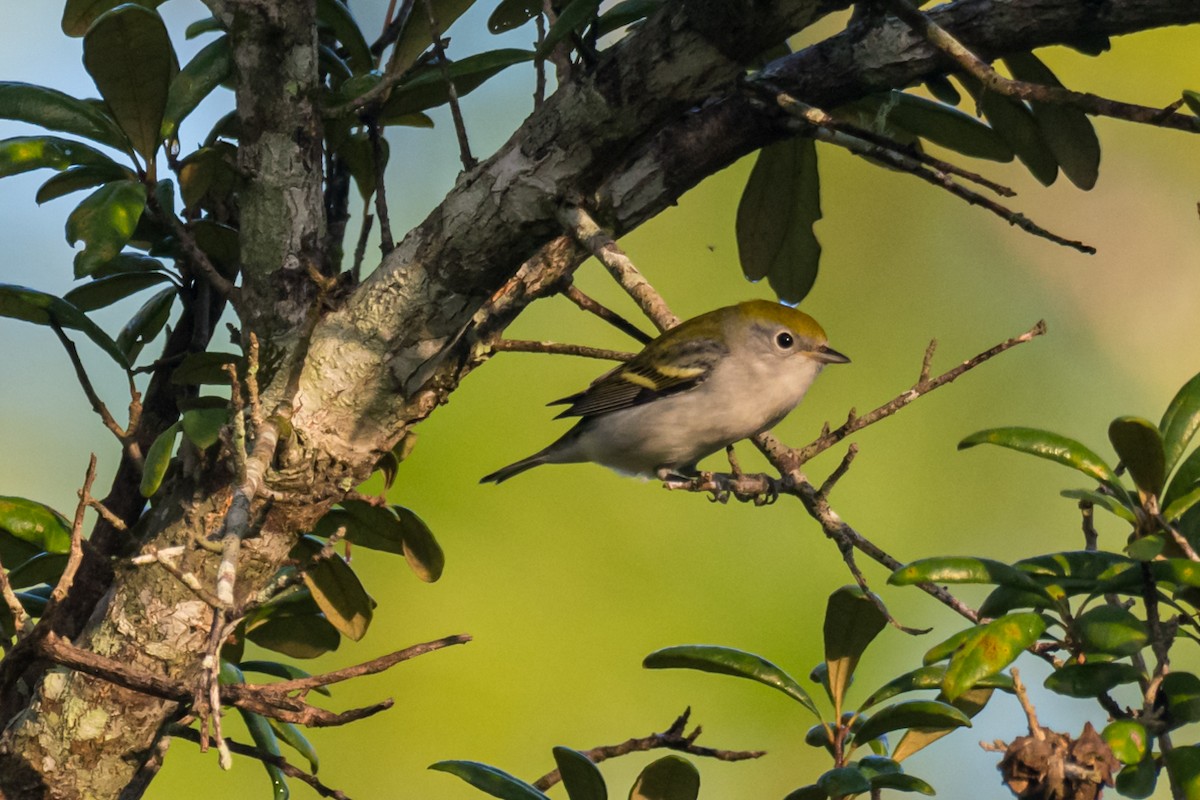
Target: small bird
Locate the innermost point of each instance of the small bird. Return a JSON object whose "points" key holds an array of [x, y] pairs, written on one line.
{"points": [[705, 384]]}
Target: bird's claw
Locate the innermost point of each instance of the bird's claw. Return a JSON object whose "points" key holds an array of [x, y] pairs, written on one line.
{"points": [[760, 489]]}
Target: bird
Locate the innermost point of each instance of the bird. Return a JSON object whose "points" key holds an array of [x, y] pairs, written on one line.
{"points": [[712, 380]]}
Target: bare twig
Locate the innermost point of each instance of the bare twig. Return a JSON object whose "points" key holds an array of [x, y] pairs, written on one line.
{"points": [[579, 223], [672, 739], [539, 65], [76, 556], [360, 249], [439, 49], [586, 303], [196, 257], [21, 620], [527, 346], [1035, 730], [97, 404], [386, 243], [1022, 90], [284, 766]]}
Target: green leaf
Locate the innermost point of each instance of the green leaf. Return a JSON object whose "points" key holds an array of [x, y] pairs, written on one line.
{"points": [[146, 323], [298, 636], [964, 569], [56, 111], [915, 739], [1015, 124], [1140, 448], [366, 526], [35, 523], [1192, 99], [293, 737], [1106, 501], [421, 550], [1180, 571], [1181, 690], [512, 14], [203, 26], [1179, 506], [942, 89], [991, 648], [211, 67], [359, 155], [416, 38], [1180, 422], [1111, 629], [30, 305], [204, 368], [1044, 444], [76, 179], [335, 15], [42, 568], [852, 621], [876, 766], [1091, 679], [78, 15], [129, 262], [287, 672], [926, 678], [902, 783], [209, 173], [911, 714], [948, 647], [943, 125], [202, 426], [1067, 131], [158, 458], [1128, 740], [625, 13], [24, 153], [1137, 781], [106, 291], [337, 590], [128, 53], [105, 221], [427, 88], [775, 218], [580, 777], [1183, 765], [820, 735], [810, 792], [728, 661], [843, 781], [264, 739], [668, 778], [495, 782], [573, 17]]}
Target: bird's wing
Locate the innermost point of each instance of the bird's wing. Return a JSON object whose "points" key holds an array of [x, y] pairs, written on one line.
{"points": [[665, 367]]}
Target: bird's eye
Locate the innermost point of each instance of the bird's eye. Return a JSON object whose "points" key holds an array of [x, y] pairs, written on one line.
{"points": [[785, 340]]}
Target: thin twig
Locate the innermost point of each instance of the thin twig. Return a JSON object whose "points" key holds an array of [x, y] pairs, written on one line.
{"points": [[673, 739], [252, 394], [196, 257], [1022, 90], [59, 593], [579, 223], [820, 125], [97, 404], [386, 243], [1035, 730], [847, 550], [284, 766], [591, 305], [22, 622], [460, 127], [360, 248], [539, 65], [559, 348]]}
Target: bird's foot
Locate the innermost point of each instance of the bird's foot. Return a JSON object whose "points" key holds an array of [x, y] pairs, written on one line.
{"points": [[758, 488]]}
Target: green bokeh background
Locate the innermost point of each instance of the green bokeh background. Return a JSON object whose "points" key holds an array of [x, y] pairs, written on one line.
{"points": [[568, 576]]}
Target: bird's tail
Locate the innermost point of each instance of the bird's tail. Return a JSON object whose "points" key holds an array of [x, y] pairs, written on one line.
{"points": [[517, 467]]}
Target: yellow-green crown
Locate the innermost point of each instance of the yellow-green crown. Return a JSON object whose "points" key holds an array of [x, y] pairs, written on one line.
{"points": [[794, 319]]}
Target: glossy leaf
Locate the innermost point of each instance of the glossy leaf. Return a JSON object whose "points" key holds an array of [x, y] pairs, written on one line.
{"points": [[203, 26], [929, 677], [1128, 740], [1067, 131], [293, 737], [416, 39], [876, 766], [211, 67], [24, 153], [943, 125], [359, 155], [1044, 444], [948, 647], [668, 778], [1140, 448], [56, 111], [1181, 504], [298, 636], [35, 523], [902, 783], [1002, 600], [1179, 571], [366, 526], [963, 569], [843, 781], [337, 17], [337, 590], [106, 291], [78, 15], [1014, 122], [728, 661], [158, 458], [1137, 781], [942, 89], [1111, 629], [1192, 100], [1091, 679], [129, 262], [852, 621], [427, 88], [1105, 501], [202, 426], [128, 54], [512, 14], [1180, 422], [810, 792], [75, 179], [30, 305], [421, 550], [820, 735], [1181, 690], [991, 648], [105, 222], [1183, 765], [146, 324], [911, 714], [915, 739], [580, 777], [42, 568], [265, 740], [485, 778], [573, 17], [625, 13], [775, 218], [204, 368]]}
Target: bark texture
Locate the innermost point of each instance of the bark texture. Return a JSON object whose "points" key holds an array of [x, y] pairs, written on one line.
{"points": [[660, 111]]}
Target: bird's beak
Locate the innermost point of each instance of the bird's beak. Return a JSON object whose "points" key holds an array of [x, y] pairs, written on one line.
{"points": [[828, 355]]}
